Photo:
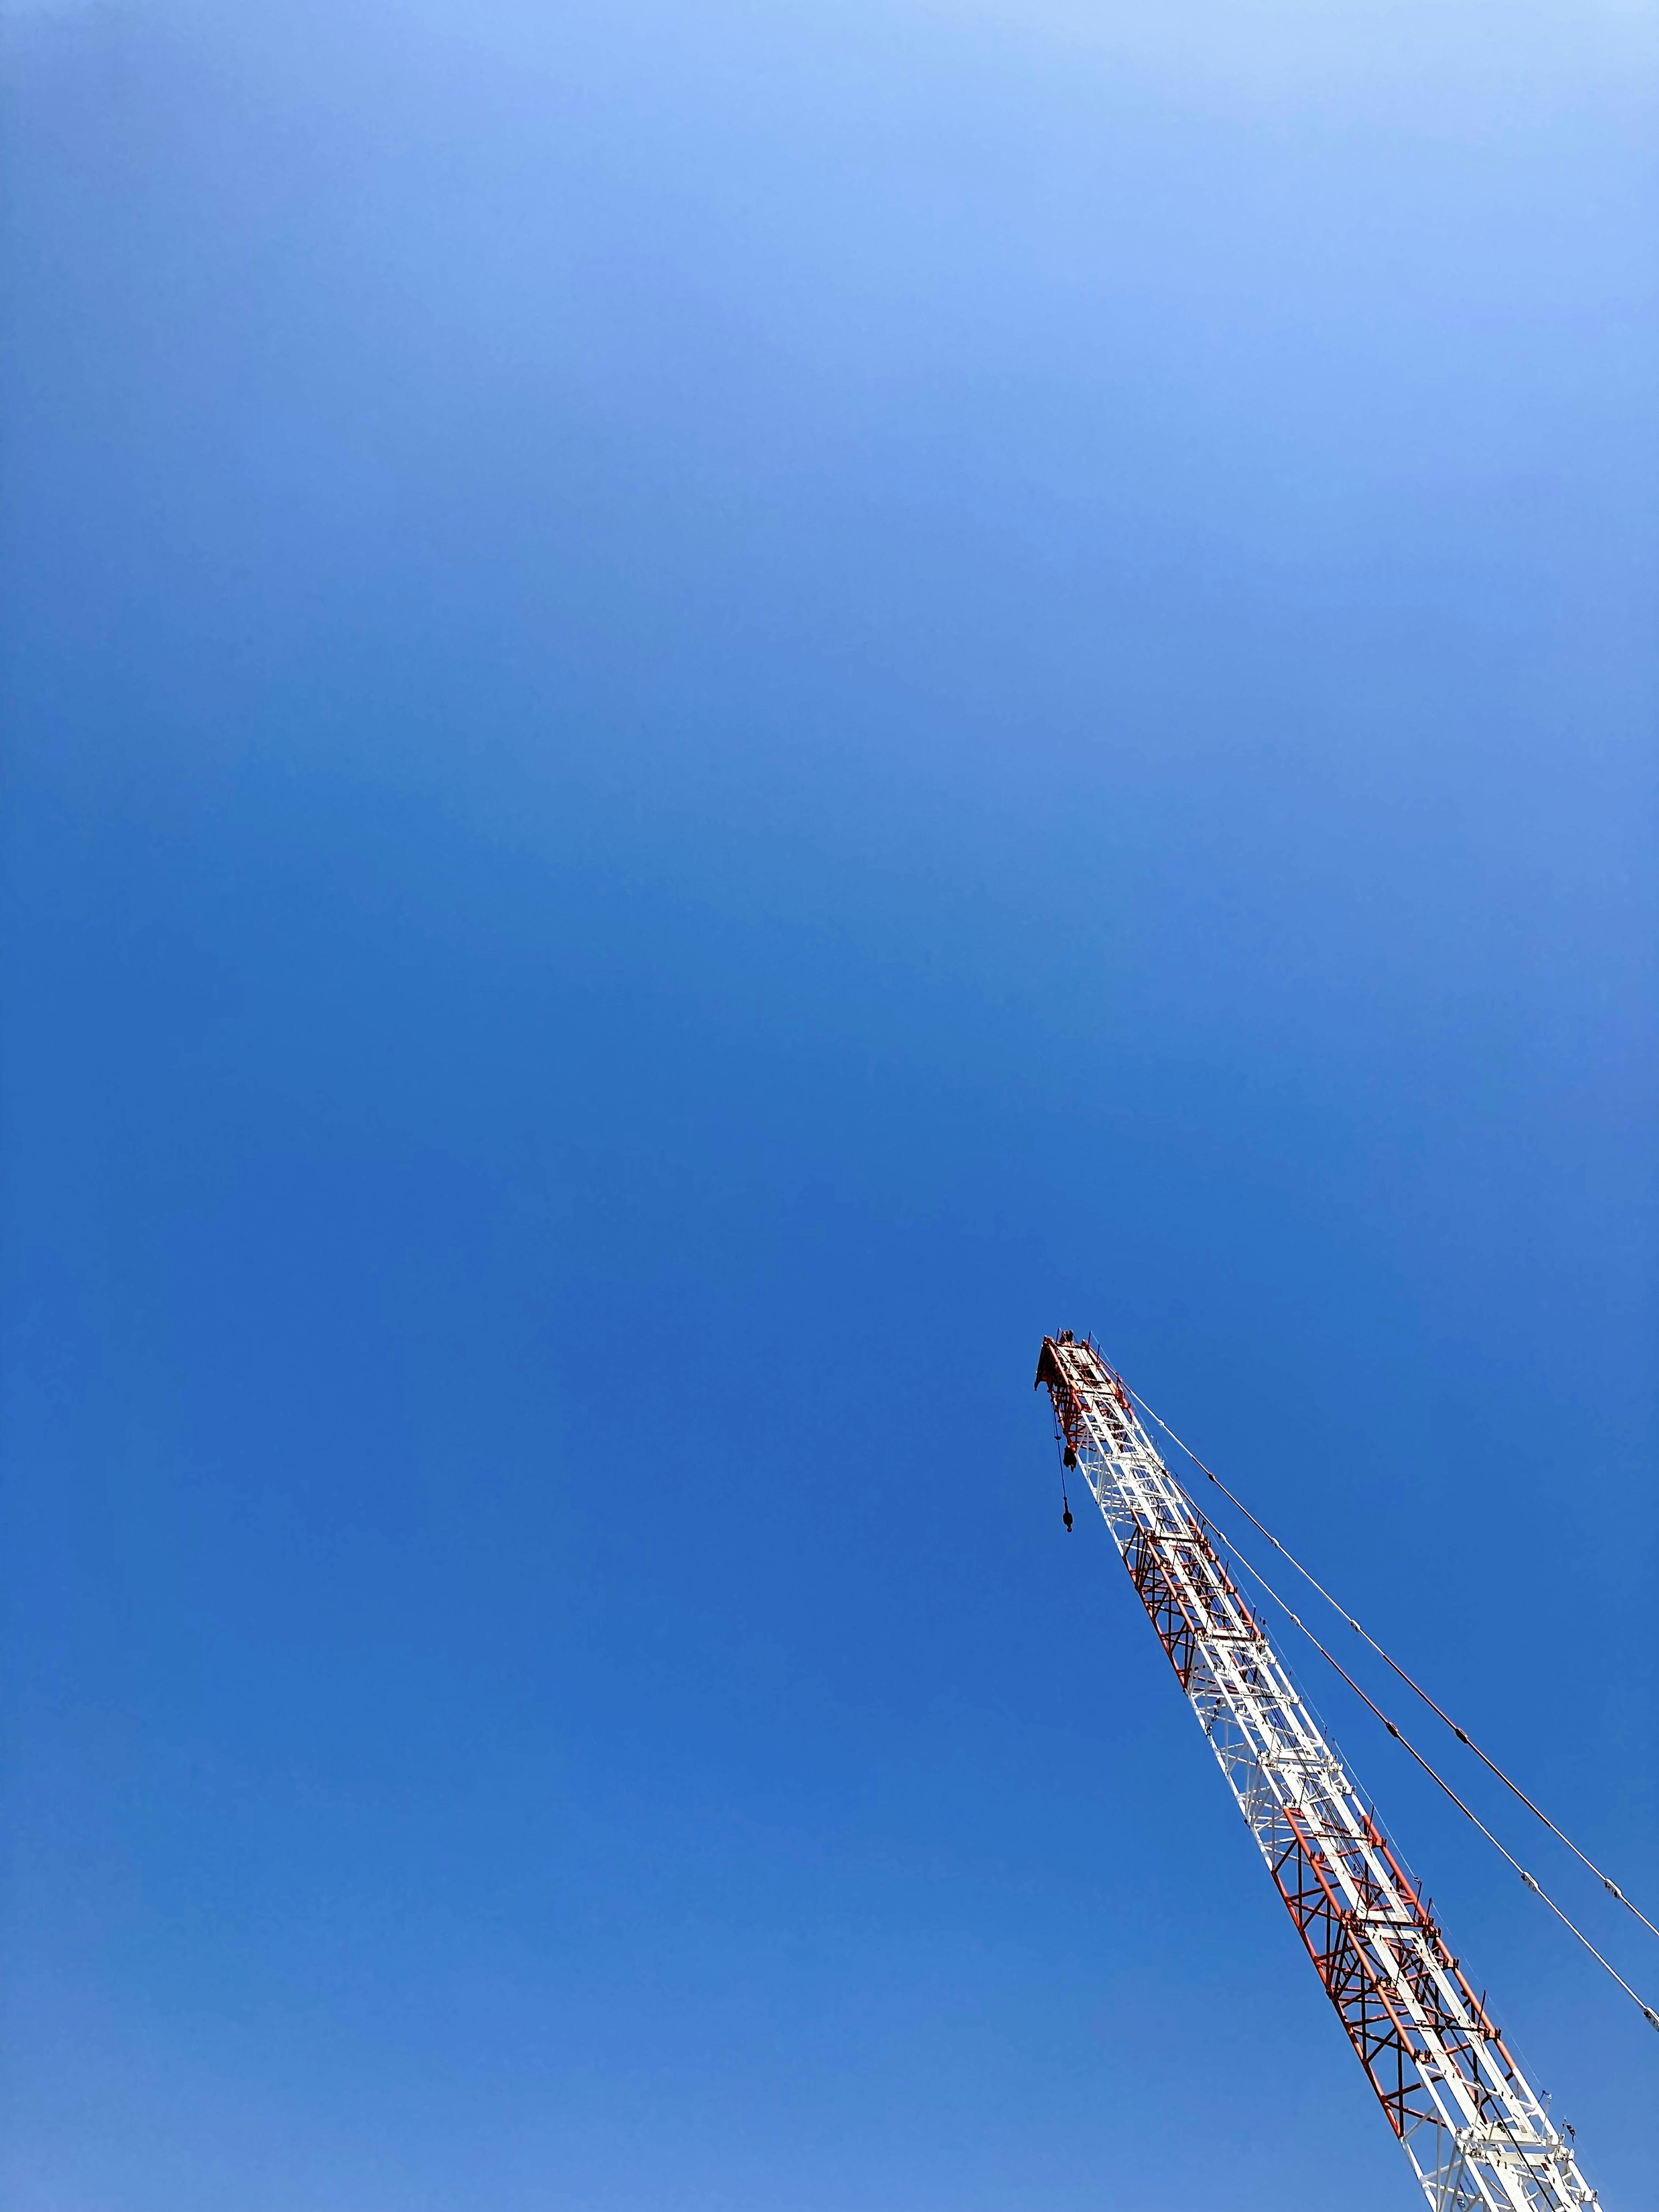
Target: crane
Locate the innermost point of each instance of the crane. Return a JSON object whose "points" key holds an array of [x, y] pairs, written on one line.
{"points": [[1479, 2136]]}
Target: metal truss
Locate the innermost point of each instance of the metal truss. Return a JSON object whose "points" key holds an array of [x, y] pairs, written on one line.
{"points": [[1478, 2136]]}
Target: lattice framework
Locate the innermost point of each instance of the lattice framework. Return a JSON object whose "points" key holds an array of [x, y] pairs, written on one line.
{"points": [[1478, 2136]]}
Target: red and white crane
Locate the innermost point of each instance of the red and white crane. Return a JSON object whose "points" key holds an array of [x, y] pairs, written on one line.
{"points": [[1479, 2138]]}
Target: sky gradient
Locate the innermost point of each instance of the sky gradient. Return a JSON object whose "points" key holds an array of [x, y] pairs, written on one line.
{"points": [[711, 710]]}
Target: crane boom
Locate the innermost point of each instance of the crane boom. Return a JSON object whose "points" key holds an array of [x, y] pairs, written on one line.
{"points": [[1478, 2136]]}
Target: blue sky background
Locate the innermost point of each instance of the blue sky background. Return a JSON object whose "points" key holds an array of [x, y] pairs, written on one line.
{"points": [[711, 710]]}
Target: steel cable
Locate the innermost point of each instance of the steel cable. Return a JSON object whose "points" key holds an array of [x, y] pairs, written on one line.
{"points": [[1399, 1737], [1462, 1734]]}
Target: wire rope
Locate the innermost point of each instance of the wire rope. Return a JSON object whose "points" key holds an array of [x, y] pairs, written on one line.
{"points": [[1462, 1734], [1436, 1777]]}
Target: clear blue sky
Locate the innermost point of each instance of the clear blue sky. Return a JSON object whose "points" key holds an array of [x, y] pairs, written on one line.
{"points": [[711, 709]]}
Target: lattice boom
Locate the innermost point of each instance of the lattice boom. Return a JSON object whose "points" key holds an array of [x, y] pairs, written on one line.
{"points": [[1477, 2135]]}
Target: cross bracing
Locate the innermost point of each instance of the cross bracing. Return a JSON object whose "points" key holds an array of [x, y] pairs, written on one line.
{"points": [[1479, 2138]]}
